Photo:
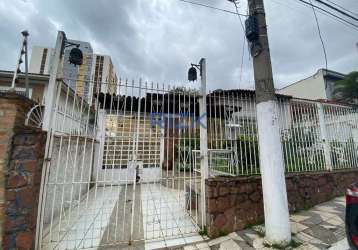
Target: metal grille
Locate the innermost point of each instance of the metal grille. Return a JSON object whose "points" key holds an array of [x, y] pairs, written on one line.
{"points": [[121, 170], [127, 168]]}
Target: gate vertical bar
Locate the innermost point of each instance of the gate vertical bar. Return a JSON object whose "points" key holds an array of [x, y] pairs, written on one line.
{"points": [[203, 139], [325, 141], [47, 125], [135, 160]]}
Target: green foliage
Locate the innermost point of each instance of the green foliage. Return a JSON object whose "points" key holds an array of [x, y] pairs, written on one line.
{"points": [[203, 231], [221, 233], [347, 89], [291, 245]]}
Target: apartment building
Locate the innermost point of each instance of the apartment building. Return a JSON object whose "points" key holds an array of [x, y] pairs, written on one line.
{"points": [[95, 75], [104, 76]]}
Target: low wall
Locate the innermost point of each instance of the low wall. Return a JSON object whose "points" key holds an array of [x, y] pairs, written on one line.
{"points": [[234, 203], [21, 158]]}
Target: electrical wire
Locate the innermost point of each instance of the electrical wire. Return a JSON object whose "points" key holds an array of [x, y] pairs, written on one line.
{"points": [[244, 40], [328, 12], [336, 9], [320, 36], [319, 11], [343, 8], [212, 7]]}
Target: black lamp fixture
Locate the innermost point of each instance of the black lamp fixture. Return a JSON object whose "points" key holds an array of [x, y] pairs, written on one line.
{"points": [[192, 73], [76, 54]]}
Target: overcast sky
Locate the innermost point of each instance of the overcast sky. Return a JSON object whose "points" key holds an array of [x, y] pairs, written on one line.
{"points": [[158, 39]]}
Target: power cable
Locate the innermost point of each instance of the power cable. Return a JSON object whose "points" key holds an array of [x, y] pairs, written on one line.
{"points": [[321, 38], [244, 40], [212, 7], [343, 8], [336, 9], [319, 11], [328, 12]]}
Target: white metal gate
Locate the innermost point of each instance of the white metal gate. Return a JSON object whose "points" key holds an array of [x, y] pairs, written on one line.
{"points": [[120, 168]]}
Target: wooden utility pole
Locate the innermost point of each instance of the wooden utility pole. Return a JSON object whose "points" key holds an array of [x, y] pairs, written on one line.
{"points": [[277, 222]]}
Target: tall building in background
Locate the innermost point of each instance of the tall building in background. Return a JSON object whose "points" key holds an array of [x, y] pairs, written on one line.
{"points": [[40, 60], [96, 74], [104, 77]]}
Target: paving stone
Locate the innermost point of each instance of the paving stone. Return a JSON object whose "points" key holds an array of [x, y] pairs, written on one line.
{"points": [[298, 217], [319, 228], [248, 235], [322, 234], [340, 232], [244, 245], [307, 246], [191, 247], [215, 247], [297, 227], [229, 245], [218, 240], [341, 245], [327, 225], [203, 245], [313, 220], [304, 237], [323, 214], [336, 221], [236, 237], [258, 243]]}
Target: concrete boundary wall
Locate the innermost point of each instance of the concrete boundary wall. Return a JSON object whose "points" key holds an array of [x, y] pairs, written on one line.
{"points": [[234, 203]]}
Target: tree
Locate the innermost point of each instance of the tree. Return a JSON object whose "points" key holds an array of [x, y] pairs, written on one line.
{"points": [[347, 89]]}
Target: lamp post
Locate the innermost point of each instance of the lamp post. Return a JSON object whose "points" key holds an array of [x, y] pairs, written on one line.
{"points": [[204, 165]]}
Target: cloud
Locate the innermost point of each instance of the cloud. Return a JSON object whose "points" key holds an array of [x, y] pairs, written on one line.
{"points": [[158, 39]]}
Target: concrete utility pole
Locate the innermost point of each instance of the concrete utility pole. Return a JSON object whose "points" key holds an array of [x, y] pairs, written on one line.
{"points": [[277, 222]]}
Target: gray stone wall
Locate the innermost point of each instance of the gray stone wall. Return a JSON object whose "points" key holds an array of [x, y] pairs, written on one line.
{"points": [[234, 203]]}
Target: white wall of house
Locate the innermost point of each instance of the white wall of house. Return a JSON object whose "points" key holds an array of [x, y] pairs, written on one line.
{"points": [[312, 88]]}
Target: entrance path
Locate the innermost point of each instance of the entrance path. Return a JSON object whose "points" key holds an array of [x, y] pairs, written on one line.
{"points": [[321, 227], [103, 219]]}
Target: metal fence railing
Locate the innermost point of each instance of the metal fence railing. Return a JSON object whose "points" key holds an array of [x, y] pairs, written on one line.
{"points": [[315, 136], [137, 152]]}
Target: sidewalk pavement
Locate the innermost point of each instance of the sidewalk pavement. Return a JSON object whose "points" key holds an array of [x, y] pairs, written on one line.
{"points": [[321, 227]]}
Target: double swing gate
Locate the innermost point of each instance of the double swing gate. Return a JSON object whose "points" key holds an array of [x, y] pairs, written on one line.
{"points": [[120, 168]]}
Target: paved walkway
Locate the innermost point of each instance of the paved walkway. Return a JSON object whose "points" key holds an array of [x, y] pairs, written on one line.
{"points": [[104, 219], [321, 227]]}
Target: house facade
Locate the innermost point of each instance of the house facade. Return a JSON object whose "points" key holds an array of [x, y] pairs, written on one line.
{"points": [[316, 87]]}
